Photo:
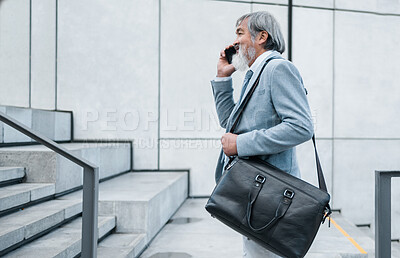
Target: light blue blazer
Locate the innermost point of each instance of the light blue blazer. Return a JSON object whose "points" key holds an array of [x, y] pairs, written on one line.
{"points": [[275, 120]]}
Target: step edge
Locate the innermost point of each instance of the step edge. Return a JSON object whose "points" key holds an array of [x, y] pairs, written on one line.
{"points": [[56, 230]]}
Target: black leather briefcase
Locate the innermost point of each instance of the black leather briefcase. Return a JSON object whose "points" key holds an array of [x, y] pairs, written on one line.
{"points": [[273, 208], [277, 210]]}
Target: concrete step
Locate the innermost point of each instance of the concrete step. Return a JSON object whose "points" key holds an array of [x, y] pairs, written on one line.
{"points": [[19, 194], [142, 201], [342, 239], [371, 251], [8, 174], [45, 166], [119, 245], [360, 239], [30, 222], [56, 125], [62, 242]]}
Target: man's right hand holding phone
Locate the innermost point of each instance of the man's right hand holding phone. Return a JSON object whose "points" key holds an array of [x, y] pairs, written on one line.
{"points": [[224, 68]]}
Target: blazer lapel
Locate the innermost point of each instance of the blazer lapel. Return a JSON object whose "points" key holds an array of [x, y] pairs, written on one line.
{"points": [[249, 86]]}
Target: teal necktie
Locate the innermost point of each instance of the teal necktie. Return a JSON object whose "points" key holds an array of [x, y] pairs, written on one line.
{"points": [[247, 78]]}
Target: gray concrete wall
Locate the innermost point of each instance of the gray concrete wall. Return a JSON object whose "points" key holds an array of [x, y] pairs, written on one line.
{"points": [[43, 49], [14, 53], [140, 70]]}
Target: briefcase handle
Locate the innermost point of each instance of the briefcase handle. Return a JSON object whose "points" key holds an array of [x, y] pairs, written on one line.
{"points": [[320, 174], [283, 206]]}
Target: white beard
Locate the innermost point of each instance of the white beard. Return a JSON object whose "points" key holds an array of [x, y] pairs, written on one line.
{"points": [[242, 59]]}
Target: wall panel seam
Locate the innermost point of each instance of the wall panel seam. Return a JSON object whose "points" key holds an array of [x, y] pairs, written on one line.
{"points": [[159, 84], [333, 103], [318, 138], [314, 7], [30, 54], [55, 63], [192, 139], [366, 12]]}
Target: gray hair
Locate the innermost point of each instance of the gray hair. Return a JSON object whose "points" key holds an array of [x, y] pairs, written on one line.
{"points": [[264, 21]]}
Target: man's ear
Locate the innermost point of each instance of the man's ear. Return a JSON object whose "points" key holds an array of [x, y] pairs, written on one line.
{"points": [[262, 37]]}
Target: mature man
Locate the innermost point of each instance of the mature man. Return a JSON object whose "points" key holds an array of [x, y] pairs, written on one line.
{"points": [[277, 117]]}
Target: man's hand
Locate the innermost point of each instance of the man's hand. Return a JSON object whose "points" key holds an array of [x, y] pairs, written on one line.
{"points": [[224, 69], [228, 141]]}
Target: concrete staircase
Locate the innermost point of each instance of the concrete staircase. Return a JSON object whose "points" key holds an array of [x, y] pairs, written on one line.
{"points": [[41, 196]]}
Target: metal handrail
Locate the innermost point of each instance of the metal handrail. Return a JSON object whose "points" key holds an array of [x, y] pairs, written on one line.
{"points": [[90, 185], [383, 212]]}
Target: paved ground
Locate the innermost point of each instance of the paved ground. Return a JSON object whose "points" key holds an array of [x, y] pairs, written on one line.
{"points": [[193, 233]]}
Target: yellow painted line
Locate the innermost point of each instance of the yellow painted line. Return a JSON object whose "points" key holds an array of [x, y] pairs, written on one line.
{"points": [[348, 237]]}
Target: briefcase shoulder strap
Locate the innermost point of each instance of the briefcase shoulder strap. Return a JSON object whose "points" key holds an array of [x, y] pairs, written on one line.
{"points": [[320, 174], [248, 96], [321, 179]]}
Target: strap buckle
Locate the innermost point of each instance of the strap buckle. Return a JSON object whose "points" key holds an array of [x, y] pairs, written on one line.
{"points": [[288, 193], [260, 179]]}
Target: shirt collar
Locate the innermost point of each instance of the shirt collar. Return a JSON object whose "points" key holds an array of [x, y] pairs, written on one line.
{"points": [[259, 60]]}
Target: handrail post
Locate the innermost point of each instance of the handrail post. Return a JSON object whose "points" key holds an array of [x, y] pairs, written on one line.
{"points": [[383, 211], [89, 215], [382, 215]]}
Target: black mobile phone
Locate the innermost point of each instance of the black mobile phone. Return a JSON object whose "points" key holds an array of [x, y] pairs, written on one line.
{"points": [[229, 53]]}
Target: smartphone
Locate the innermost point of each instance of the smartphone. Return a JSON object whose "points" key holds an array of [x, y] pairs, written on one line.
{"points": [[229, 53]]}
